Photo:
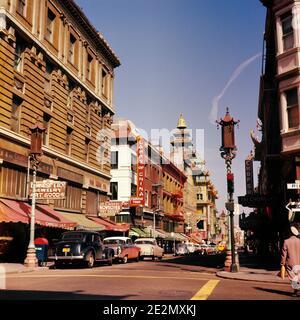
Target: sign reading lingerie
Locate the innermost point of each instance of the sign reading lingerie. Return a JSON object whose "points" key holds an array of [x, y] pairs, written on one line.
{"points": [[139, 200]]}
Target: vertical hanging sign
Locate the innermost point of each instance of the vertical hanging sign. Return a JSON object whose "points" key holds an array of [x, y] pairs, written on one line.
{"points": [[249, 177], [140, 191]]}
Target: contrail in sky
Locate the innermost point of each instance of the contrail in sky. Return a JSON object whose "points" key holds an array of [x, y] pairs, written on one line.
{"points": [[215, 102]]}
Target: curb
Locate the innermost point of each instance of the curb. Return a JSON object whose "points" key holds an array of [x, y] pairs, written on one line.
{"points": [[246, 277]]}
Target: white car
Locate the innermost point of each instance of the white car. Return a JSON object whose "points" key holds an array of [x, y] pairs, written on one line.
{"points": [[190, 247], [149, 248]]}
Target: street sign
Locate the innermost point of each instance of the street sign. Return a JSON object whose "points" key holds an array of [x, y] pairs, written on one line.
{"points": [[256, 201], [49, 189], [293, 208]]}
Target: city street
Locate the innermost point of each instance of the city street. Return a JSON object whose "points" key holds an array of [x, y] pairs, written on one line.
{"points": [[173, 278]]}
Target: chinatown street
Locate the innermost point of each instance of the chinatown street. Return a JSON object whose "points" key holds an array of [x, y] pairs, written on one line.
{"points": [[173, 278]]}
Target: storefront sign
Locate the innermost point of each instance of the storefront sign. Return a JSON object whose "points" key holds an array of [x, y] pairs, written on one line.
{"points": [[256, 201], [21, 160], [139, 200], [110, 208], [249, 176], [49, 189]]}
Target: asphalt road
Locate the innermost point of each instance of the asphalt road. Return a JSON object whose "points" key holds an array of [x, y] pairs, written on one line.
{"points": [[180, 278]]}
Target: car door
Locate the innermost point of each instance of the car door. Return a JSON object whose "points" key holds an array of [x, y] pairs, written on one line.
{"points": [[98, 246], [131, 249]]}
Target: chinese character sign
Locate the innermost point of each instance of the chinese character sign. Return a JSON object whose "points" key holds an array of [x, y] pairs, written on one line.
{"points": [[249, 176]]}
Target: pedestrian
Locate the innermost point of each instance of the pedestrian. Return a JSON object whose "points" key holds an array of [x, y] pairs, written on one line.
{"points": [[290, 258]]}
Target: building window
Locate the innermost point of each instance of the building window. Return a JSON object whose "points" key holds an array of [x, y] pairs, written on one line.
{"points": [[146, 199], [292, 108], [200, 224], [70, 95], [15, 114], [72, 200], [104, 83], [87, 149], [133, 163], [50, 26], [114, 159], [69, 141], [19, 55], [89, 67], [287, 30], [199, 196], [48, 73], [21, 7], [72, 49], [46, 124], [91, 202], [114, 190], [133, 190]]}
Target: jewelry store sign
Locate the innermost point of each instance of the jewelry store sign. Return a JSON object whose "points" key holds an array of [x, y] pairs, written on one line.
{"points": [[49, 189]]}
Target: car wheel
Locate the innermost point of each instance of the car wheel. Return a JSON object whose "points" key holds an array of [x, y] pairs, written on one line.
{"points": [[153, 257], [137, 259], [141, 258], [125, 259], [57, 264], [110, 259], [90, 259]]}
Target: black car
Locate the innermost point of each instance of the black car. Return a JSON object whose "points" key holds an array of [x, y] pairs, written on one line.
{"points": [[81, 246]]}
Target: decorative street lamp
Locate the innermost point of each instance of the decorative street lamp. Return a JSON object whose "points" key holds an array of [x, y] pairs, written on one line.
{"points": [[35, 154], [228, 153]]}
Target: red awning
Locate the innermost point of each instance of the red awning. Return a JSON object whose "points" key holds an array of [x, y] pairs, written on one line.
{"points": [[9, 215], [41, 218], [110, 225], [65, 223]]}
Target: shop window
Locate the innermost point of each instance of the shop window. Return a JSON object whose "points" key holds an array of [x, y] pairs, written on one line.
{"points": [[91, 202], [292, 108], [287, 30], [72, 200]]}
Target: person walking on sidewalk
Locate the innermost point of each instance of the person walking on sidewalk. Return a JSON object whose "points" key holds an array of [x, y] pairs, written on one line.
{"points": [[290, 258]]}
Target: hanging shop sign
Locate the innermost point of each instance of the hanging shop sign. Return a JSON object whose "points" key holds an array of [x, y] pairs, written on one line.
{"points": [[249, 177], [49, 189]]}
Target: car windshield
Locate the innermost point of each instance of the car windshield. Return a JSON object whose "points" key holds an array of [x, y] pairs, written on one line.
{"points": [[113, 241], [144, 242], [72, 236]]}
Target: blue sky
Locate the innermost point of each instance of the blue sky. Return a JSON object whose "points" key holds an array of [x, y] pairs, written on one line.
{"points": [[177, 55]]}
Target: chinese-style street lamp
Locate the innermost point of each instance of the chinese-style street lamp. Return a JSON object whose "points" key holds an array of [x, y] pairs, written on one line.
{"points": [[228, 152], [35, 154]]}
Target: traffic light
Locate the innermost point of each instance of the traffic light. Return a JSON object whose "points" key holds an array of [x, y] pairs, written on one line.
{"points": [[230, 183]]}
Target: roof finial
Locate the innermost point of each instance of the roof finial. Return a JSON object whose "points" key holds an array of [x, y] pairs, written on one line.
{"points": [[181, 122]]}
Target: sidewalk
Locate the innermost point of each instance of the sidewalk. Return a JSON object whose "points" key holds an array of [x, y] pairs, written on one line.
{"points": [[251, 269], [18, 268]]}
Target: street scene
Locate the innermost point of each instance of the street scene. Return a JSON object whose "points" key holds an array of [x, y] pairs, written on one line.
{"points": [[149, 151]]}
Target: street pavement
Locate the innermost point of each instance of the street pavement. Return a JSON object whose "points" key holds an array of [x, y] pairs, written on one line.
{"points": [[174, 278]]}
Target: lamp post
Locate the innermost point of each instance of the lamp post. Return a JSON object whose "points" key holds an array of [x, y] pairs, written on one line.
{"points": [[35, 153], [228, 153], [174, 246]]}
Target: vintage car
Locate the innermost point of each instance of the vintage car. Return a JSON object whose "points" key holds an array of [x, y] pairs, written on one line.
{"points": [[123, 247], [190, 247], [81, 246], [181, 249], [149, 248]]}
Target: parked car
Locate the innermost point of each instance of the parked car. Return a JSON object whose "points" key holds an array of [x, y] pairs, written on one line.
{"points": [[81, 246], [191, 247], [149, 248], [181, 249], [123, 247]]}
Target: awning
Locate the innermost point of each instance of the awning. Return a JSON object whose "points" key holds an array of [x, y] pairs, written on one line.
{"points": [[41, 217], [157, 232], [110, 225], [65, 223], [9, 215], [137, 232], [83, 222]]}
